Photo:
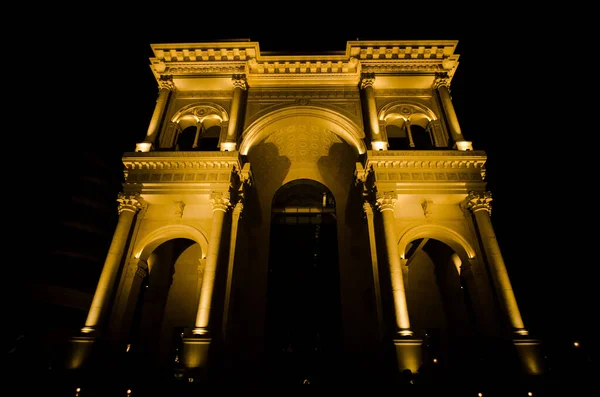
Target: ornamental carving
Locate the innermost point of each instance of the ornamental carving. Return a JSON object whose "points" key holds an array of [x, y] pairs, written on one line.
{"points": [[303, 143], [129, 202], [441, 80], [476, 201], [367, 80], [385, 200], [239, 81], [220, 200], [166, 81]]}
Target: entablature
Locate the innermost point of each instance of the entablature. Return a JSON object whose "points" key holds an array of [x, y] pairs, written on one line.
{"points": [[408, 58], [425, 167]]}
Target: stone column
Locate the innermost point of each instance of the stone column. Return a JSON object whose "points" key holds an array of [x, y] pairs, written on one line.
{"points": [[128, 206], [237, 211], [368, 208], [378, 138], [220, 202], [165, 84], [442, 85], [236, 113], [479, 203], [385, 204], [528, 349]]}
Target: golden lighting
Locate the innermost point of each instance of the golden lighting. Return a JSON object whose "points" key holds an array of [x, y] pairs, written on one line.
{"points": [[128, 391], [128, 348], [480, 394], [576, 344], [530, 394], [435, 360], [379, 145], [143, 147]]}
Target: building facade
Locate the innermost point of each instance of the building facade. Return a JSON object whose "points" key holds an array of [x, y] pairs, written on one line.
{"points": [[304, 218]]}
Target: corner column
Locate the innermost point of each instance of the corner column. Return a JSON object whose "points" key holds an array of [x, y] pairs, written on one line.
{"points": [[479, 203], [166, 85], [442, 85], [81, 346], [128, 206], [408, 349], [378, 137], [239, 86]]}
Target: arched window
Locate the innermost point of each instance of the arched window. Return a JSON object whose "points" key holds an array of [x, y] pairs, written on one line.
{"points": [[397, 137], [185, 141]]}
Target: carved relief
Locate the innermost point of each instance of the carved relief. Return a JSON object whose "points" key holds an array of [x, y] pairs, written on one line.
{"points": [[303, 143]]}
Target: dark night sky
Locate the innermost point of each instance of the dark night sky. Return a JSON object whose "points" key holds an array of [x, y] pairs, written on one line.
{"points": [[502, 98]]}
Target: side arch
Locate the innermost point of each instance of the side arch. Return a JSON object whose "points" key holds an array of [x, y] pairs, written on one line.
{"points": [[442, 233], [145, 246], [333, 121]]}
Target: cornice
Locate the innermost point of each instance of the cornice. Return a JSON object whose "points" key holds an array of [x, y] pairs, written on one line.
{"points": [[222, 58], [426, 159]]}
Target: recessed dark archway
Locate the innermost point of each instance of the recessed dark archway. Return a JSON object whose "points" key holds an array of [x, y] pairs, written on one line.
{"points": [[303, 325]]}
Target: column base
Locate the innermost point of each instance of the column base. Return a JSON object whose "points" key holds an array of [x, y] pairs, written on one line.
{"points": [[530, 356], [408, 353], [195, 352], [80, 349]]}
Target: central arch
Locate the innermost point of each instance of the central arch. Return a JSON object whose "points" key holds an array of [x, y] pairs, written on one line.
{"points": [[340, 125], [303, 323]]}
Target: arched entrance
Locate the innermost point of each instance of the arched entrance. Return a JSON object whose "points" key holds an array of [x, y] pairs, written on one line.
{"points": [[303, 323]]}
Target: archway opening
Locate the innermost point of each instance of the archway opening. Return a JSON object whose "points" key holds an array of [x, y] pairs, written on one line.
{"points": [[303, 323]]}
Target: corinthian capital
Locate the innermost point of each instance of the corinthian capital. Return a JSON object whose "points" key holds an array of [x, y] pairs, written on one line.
{"points": [[441, 80], [367, 80], [385, 200], [166, 81], [129, 202], [476, 201], [239, 81], [220, 200]]}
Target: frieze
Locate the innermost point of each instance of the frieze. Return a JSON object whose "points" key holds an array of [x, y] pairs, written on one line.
{"points": [[403, 93], [205, 69], [321, 94], [402, 67], [141, 176], [428, 176], [205, 94]]}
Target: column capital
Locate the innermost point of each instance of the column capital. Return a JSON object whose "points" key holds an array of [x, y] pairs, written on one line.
{"points": [[441, 80], [166, 82], [367, 80], [239, 81], [129, 202], [220, 201], [385, 200], [476, 201]]}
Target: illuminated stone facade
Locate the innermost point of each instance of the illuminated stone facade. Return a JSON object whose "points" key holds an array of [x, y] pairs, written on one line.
{"points": [[290, 212]]}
